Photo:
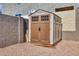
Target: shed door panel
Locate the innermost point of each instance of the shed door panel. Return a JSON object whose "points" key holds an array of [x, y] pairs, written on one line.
{"points": [[34, 28], [45, 29], [35, 32], [44, 33]]}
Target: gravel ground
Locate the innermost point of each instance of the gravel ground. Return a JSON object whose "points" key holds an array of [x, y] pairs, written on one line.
{"points": [[64, 48]]}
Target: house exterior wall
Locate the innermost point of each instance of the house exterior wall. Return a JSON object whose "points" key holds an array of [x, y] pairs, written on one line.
{"points": [[72, 34], [9, 30], [68, 20]]}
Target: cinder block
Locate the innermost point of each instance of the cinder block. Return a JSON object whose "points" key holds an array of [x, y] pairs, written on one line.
{"points": [[9, 31]]}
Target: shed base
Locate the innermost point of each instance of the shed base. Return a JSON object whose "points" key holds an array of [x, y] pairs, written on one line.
{"points": [[37, 43]]}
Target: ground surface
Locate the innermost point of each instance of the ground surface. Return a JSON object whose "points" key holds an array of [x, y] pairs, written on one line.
{"points": [[63, 48]]}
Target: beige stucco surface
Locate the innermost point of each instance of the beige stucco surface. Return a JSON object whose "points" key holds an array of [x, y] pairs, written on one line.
{"points": [[68, 20]]}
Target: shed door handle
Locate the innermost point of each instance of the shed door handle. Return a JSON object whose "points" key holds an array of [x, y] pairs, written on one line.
{"points": [[39, 29]]}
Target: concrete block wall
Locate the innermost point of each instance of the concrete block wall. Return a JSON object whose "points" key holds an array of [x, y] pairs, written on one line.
{"points": [[9, 31]]}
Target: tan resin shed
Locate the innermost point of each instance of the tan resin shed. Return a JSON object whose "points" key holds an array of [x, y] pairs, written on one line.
{"points": [[45, 28]]}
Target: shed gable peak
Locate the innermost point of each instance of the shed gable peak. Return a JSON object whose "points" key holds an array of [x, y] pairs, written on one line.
{"points": [[40, 11]]}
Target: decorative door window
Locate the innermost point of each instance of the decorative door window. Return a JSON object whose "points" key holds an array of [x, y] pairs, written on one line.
{"points": [[45, 18], [35, 18]]}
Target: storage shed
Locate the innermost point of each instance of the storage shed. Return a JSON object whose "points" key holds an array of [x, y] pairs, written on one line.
{"points": [[45, 28], [11, 30]]}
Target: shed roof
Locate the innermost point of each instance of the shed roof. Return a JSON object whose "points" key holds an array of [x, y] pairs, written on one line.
{"points": [[44, 11]]}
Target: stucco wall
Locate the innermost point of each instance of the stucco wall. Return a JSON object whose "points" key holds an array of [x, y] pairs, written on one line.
{"points": [[72, 34], [68, 20]]}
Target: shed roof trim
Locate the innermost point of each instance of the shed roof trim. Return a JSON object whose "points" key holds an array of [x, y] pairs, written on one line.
{"points": [[44, 11], [41, 10]]}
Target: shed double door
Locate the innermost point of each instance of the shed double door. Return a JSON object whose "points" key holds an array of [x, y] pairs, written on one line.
{"points": [[40, 29]]}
